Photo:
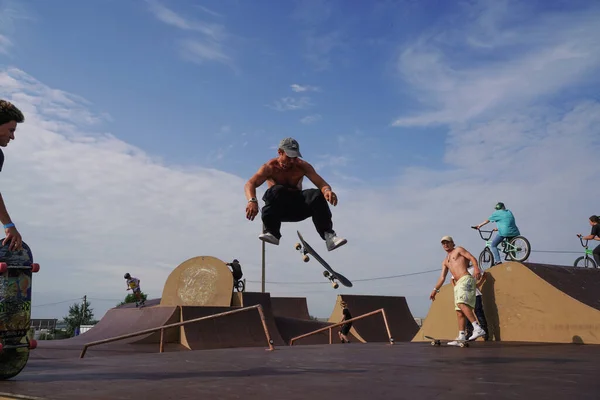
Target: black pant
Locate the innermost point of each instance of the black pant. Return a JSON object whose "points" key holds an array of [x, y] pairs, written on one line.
{"points": [[480, 318], [596, 254], [284, 204]]}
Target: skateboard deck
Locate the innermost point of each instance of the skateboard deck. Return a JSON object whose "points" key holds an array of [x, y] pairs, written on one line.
{"points": [[438, 342], [16, 268], [330, 274]]}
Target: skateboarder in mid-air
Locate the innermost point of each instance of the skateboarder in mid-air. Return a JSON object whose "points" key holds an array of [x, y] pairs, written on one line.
{"points": [[457, 262], [286, 201], [134, 285], [343, 333], [10, 116]]}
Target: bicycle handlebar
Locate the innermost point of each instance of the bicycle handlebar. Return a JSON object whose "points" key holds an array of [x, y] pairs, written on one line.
{"points": [[486, 238], [581, 240]]}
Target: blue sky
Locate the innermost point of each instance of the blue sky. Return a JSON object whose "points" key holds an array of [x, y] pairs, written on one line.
{"points": [[422, 115]]}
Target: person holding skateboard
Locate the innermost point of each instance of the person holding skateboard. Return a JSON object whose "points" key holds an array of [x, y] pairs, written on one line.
{"points": [[457, 263], [286, 201], [133, 284], [10, 116], [343, 333]]}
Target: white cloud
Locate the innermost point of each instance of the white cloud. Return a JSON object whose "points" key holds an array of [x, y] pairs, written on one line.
{"points": [[5, 44], [304, 88], [208, 47], [201, 51], [532, 62], [291, 104], [311, 119]]}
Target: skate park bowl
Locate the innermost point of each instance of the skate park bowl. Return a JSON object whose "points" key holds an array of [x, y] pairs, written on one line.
{"points": [[527, 302], [199, 281]]}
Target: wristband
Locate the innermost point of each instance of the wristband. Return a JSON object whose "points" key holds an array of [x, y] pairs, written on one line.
{"points": [[9, 225], [253, 200], [436, 290]]}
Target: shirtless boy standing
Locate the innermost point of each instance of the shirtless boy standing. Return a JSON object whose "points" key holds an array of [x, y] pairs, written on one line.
{"points": [[285, 201], [457, 262]]}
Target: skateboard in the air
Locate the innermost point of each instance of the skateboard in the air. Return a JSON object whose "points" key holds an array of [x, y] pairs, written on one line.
{"points": [[438, 342], [16, 269], [330, 274]]}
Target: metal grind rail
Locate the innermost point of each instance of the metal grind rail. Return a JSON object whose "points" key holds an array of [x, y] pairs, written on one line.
{"points": [[330, 328], [178, 324]]}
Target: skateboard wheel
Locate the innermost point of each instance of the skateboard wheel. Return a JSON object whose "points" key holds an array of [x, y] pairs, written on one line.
{"points": [[305, 258], [326, 274], [335, 285], [298, 246], [32, 344], [3, 267], [35, 267], [433, 343]]}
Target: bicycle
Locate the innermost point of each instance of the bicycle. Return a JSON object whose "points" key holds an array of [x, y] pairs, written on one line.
{"points": [[239, 285], [516, 248], [588, 258]]}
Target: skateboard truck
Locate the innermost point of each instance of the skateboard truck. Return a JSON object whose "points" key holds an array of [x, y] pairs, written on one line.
{"points": [[31, 344], [305, 256], [327, 275], [35, 267]]}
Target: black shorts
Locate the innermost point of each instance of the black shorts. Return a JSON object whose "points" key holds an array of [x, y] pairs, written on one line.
{"points": [[346, 329]]}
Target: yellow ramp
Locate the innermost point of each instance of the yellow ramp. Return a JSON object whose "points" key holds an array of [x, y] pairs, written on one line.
{"points": [[528, 303]]}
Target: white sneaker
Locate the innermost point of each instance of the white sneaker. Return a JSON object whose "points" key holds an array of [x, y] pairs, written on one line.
{"points": [[457, 341], [269, 238], [477, 333], [333, 242]]}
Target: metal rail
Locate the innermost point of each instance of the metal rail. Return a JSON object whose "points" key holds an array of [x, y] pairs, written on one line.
{"points": [[330, 328], [178, 324]]}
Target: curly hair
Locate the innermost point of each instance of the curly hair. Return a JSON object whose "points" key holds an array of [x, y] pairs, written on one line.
{"points": [[8, 112]]}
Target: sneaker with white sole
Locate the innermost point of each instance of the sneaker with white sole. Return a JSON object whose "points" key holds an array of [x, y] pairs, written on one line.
{"points": [[457, 341], [332, 241], [477, 333], [269, 238]]}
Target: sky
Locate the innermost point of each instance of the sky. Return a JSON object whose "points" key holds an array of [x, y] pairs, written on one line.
{"points": [[145, 118]]}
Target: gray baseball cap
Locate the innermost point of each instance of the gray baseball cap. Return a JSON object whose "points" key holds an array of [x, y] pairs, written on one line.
{"points": [[291, 147]]}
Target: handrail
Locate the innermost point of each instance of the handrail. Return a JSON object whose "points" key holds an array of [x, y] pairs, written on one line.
{"points": [[177, 324], [330, 328]]}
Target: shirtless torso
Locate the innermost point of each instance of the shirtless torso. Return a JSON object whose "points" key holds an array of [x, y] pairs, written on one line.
{"points": [[290, 175], [288, 172], [457, 262]]}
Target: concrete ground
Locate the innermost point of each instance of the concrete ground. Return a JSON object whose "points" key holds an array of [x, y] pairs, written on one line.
{"points": [[490, 370]]}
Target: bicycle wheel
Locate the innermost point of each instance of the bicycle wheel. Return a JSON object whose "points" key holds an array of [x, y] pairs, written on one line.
{"points": [[486, 259], [520, 249], [585, 262]]}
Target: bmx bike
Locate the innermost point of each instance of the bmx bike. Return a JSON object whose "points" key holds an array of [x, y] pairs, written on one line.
{"points": [[587, 260], [516, 248], [239, 285]]}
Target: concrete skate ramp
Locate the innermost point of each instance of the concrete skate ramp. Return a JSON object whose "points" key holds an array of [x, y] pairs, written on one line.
{"points": [[292, 327], [199, 281], [582, 284], [242, 329], [246, 299], [528, 303], [372, 329], [149, 303], [122, 321], [290, 307]]}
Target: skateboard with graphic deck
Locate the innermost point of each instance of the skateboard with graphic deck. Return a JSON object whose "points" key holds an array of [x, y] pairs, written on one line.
{"points": [[305, 249], [438, 342], [16, 270]]}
